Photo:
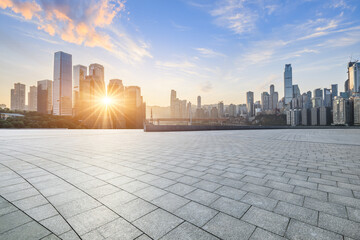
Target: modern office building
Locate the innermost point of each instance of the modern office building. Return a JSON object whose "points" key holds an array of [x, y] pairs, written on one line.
{"points": [[134, 107], [199, 102], [354, 77], [317, 100], [305, 117], [273, 98], [250, 103], [324, 116], [44, 96], [221, 109], [62, 86], [343, 111], [79, 74], [296, 91], [265, 101], [115, 111], [356, 110], [288, 87], [18, 97], [315, 118], [334, 90], [32, 99], [295, 117], [98, 85], [327, 97]]}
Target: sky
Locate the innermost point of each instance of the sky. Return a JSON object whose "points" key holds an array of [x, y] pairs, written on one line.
{"points": [[218, 49]]}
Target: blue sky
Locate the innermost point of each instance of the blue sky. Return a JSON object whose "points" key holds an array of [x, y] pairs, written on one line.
{"points": [[216, 49]]}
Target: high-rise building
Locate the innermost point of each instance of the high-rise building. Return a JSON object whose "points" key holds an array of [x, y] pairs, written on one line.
{"points": [[98, 87], [62, 86], [79, 74], [288, 87], [265, 101], [342, 111], [334, 90], [354, 77], [357, 110], [221, 109], [346, 86], [44, 96], [327, 97], [18, 97], [172, 103], [134, 107], [115, 113], [232, 110], [199, 102], [273, 98], [317, 100], [250, 103], [32, 99], [296, 91]]}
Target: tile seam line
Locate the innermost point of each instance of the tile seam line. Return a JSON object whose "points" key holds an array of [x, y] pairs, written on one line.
{"points": [[42, 205], [79, 190], [116, 187]]}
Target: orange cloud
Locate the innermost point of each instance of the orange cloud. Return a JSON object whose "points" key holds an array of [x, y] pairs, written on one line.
{"points": [[80, 22], [26, 9]]}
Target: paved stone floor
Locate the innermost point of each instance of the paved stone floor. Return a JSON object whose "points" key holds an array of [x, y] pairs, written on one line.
{"points": [[257, 184]]}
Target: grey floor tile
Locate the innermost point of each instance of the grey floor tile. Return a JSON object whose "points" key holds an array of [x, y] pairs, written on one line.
{"points": [[188, 231], [157, 223], [227, 227], [270, 221], [134, 209], [302, 231], [231, 207], [202, 196], [170, 202], [196, 213]]}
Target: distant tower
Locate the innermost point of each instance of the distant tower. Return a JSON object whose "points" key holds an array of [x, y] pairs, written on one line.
{"points": [[288, 88], [198, 102], [44, 96], [62, 86], [250, 103], [32, 99], [18, 97]]}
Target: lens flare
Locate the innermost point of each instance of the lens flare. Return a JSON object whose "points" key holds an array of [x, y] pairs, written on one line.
{"points": [[106, 101]]}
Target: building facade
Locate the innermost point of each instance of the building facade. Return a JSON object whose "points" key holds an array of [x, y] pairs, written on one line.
{"points": [[62, 86], [44, 96], [18, 97], [288, 87], [32, 99], [79, 74]]}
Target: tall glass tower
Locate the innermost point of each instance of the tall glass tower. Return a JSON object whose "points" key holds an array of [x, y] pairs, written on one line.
{"points": [[288, 89], [62, 87]]}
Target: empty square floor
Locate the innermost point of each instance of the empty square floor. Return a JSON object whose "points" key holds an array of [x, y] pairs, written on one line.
{"points": [[129, 184]]}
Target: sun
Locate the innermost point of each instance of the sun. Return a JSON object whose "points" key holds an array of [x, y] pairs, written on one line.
{"points": [[107, 101]]}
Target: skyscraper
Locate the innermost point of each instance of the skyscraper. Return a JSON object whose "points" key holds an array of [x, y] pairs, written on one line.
{"points": [[221, 109], [97, 72], [44, 96], [250, 103], [265, 101], [62, 88], [115, 91], [288, 88], [134, 109], [327, 97], [317, 100], [199, 102], [354, 77], [334, 90], [296, 91], [32, 99], [79, 74], [18, 97]]}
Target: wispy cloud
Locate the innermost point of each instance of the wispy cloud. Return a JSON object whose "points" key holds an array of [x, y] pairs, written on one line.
{"points": [[235, 15], [180, 27], [206, 52], [206, 86], [80, 22]]}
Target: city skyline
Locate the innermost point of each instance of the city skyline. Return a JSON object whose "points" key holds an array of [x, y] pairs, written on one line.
{"points": [[216, 51]]}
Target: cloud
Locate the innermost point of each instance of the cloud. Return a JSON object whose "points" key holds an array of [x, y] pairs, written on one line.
{"points": [[180, 27], [205, 52], [83, 22], [235, 15]]}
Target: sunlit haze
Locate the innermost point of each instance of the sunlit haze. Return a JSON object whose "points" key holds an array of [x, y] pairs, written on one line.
{"points": [[216, 49]]}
